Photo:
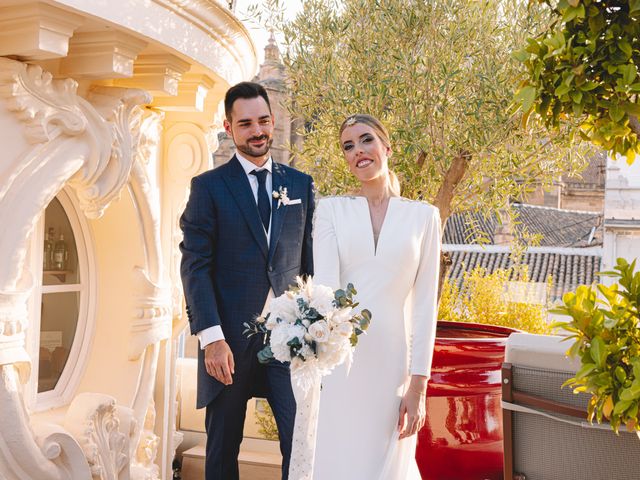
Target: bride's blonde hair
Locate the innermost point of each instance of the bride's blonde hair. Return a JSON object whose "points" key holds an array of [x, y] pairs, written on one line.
{"points": [[381, 132]]}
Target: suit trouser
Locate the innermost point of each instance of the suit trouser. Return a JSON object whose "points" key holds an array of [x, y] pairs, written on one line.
{"points": [[225, 416]]}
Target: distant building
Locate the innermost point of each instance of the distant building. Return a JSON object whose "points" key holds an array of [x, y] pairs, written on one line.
{"points": [[584, 192]]}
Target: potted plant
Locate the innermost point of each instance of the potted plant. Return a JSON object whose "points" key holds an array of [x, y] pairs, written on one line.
{"points": [[606, 334], [463, 437]]}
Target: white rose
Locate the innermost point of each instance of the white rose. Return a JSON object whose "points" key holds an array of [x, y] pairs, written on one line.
{"points": [[322, 300], [279, 338], [284, 308], [319, 331]]}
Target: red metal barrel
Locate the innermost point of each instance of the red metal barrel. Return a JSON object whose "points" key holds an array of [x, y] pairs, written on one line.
{"points": [[462, 436]]}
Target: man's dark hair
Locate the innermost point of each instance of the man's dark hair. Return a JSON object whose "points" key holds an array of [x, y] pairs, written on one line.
{"points": [[244, 90]]}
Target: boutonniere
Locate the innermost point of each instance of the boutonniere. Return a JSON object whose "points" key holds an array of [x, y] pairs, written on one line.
{"points": [[283, 198]]}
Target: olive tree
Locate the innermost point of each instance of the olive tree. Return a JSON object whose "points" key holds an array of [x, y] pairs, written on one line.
{"points": [[442, 77]]}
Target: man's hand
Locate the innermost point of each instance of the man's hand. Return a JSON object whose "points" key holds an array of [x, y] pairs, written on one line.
{"points": [[218, 360]]}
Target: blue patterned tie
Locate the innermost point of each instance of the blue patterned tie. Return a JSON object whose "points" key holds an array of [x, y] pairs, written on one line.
{"points": [[264, 204]]}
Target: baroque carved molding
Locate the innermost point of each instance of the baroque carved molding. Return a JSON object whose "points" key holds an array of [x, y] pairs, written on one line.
{"points": [[45, 452], [142, 463], [187, 153], [152, 300], [88, 145], [94, 421], [152, 303]]}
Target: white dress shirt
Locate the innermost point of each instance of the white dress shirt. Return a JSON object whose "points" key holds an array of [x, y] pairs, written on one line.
{"points": [[213, 334]]}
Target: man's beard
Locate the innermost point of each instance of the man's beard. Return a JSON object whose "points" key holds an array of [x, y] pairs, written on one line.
{"points": [[251, 151]]}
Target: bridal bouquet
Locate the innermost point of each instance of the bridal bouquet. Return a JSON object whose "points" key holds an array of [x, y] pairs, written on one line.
{"points": [[316, 329], [312, 327]]}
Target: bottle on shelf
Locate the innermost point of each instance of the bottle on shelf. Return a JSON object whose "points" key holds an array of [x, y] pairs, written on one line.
{"points": [[60, 254], [47, 254]]}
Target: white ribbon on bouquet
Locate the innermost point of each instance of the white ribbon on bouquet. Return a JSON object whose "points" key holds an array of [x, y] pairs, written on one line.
{"points": [[306, 378]]}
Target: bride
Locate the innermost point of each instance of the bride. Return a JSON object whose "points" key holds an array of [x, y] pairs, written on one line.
{"points": [[389, 248]]}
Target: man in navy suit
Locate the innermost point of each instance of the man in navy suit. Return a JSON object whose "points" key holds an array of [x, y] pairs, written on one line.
{"points": [[241, 247]]}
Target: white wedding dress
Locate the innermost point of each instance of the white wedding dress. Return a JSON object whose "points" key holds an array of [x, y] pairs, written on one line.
{"points": [[397, 281]]}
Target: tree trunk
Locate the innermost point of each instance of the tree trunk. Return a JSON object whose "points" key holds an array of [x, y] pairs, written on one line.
{"points": [[445, 263], [443, 200], [452, 178]]}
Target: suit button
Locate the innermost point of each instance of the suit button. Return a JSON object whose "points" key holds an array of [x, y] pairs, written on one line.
{"points": [[270, 268]]}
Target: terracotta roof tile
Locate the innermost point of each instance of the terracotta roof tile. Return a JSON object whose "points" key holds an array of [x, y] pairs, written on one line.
{"points": [[561, 228], [566, 270]]}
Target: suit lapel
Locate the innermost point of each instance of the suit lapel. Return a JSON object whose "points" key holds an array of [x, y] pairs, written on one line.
{"points": [[240, 189], [279, 180]]}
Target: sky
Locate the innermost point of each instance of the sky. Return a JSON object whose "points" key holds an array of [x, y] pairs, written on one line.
{"points": [[259, 35]]}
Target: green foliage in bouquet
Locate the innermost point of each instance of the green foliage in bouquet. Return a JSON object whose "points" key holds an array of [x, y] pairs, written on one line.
{"points": [[302, 314], [607, 340], [482, 298], [582, 69]]}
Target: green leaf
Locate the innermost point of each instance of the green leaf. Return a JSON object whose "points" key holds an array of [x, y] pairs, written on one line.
{"points": [[631, 108], [616, 113], [621, 406], [576, 96], [588, 86], [629, 73], [526, 96], [625, 48], [573, 12], [585, 370], [265, 355], [620, 374], [562, 90], [578, 109], [631, 393], [598, 352], [521, 55], [634, 6]]}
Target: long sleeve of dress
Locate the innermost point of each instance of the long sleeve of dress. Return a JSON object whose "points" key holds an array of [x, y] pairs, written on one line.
{"points": [[326, 260], [425, 297]]}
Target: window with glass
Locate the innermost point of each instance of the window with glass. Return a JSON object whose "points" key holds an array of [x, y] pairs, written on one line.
{"points": [[60, 303]]}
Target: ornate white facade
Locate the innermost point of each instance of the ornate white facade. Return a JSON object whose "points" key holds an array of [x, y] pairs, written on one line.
{"points": [[111, 107]]}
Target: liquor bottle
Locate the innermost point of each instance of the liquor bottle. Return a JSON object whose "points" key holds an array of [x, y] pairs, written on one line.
{"points": [[60, 254], [47, 254]]}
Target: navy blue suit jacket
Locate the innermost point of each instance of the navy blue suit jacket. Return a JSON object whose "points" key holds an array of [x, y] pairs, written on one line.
{"points": [[227, 266]]}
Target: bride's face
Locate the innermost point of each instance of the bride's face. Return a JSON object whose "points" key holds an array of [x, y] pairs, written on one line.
{"points": [[365, 153]]}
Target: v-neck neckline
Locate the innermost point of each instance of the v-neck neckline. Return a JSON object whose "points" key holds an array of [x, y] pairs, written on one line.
{"points": [[374, 244]]}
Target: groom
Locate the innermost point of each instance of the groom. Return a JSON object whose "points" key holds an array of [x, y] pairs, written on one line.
{"points": [[241, 247]]}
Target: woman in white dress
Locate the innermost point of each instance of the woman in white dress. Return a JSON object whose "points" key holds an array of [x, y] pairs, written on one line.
{"points": [[389, 248]]}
